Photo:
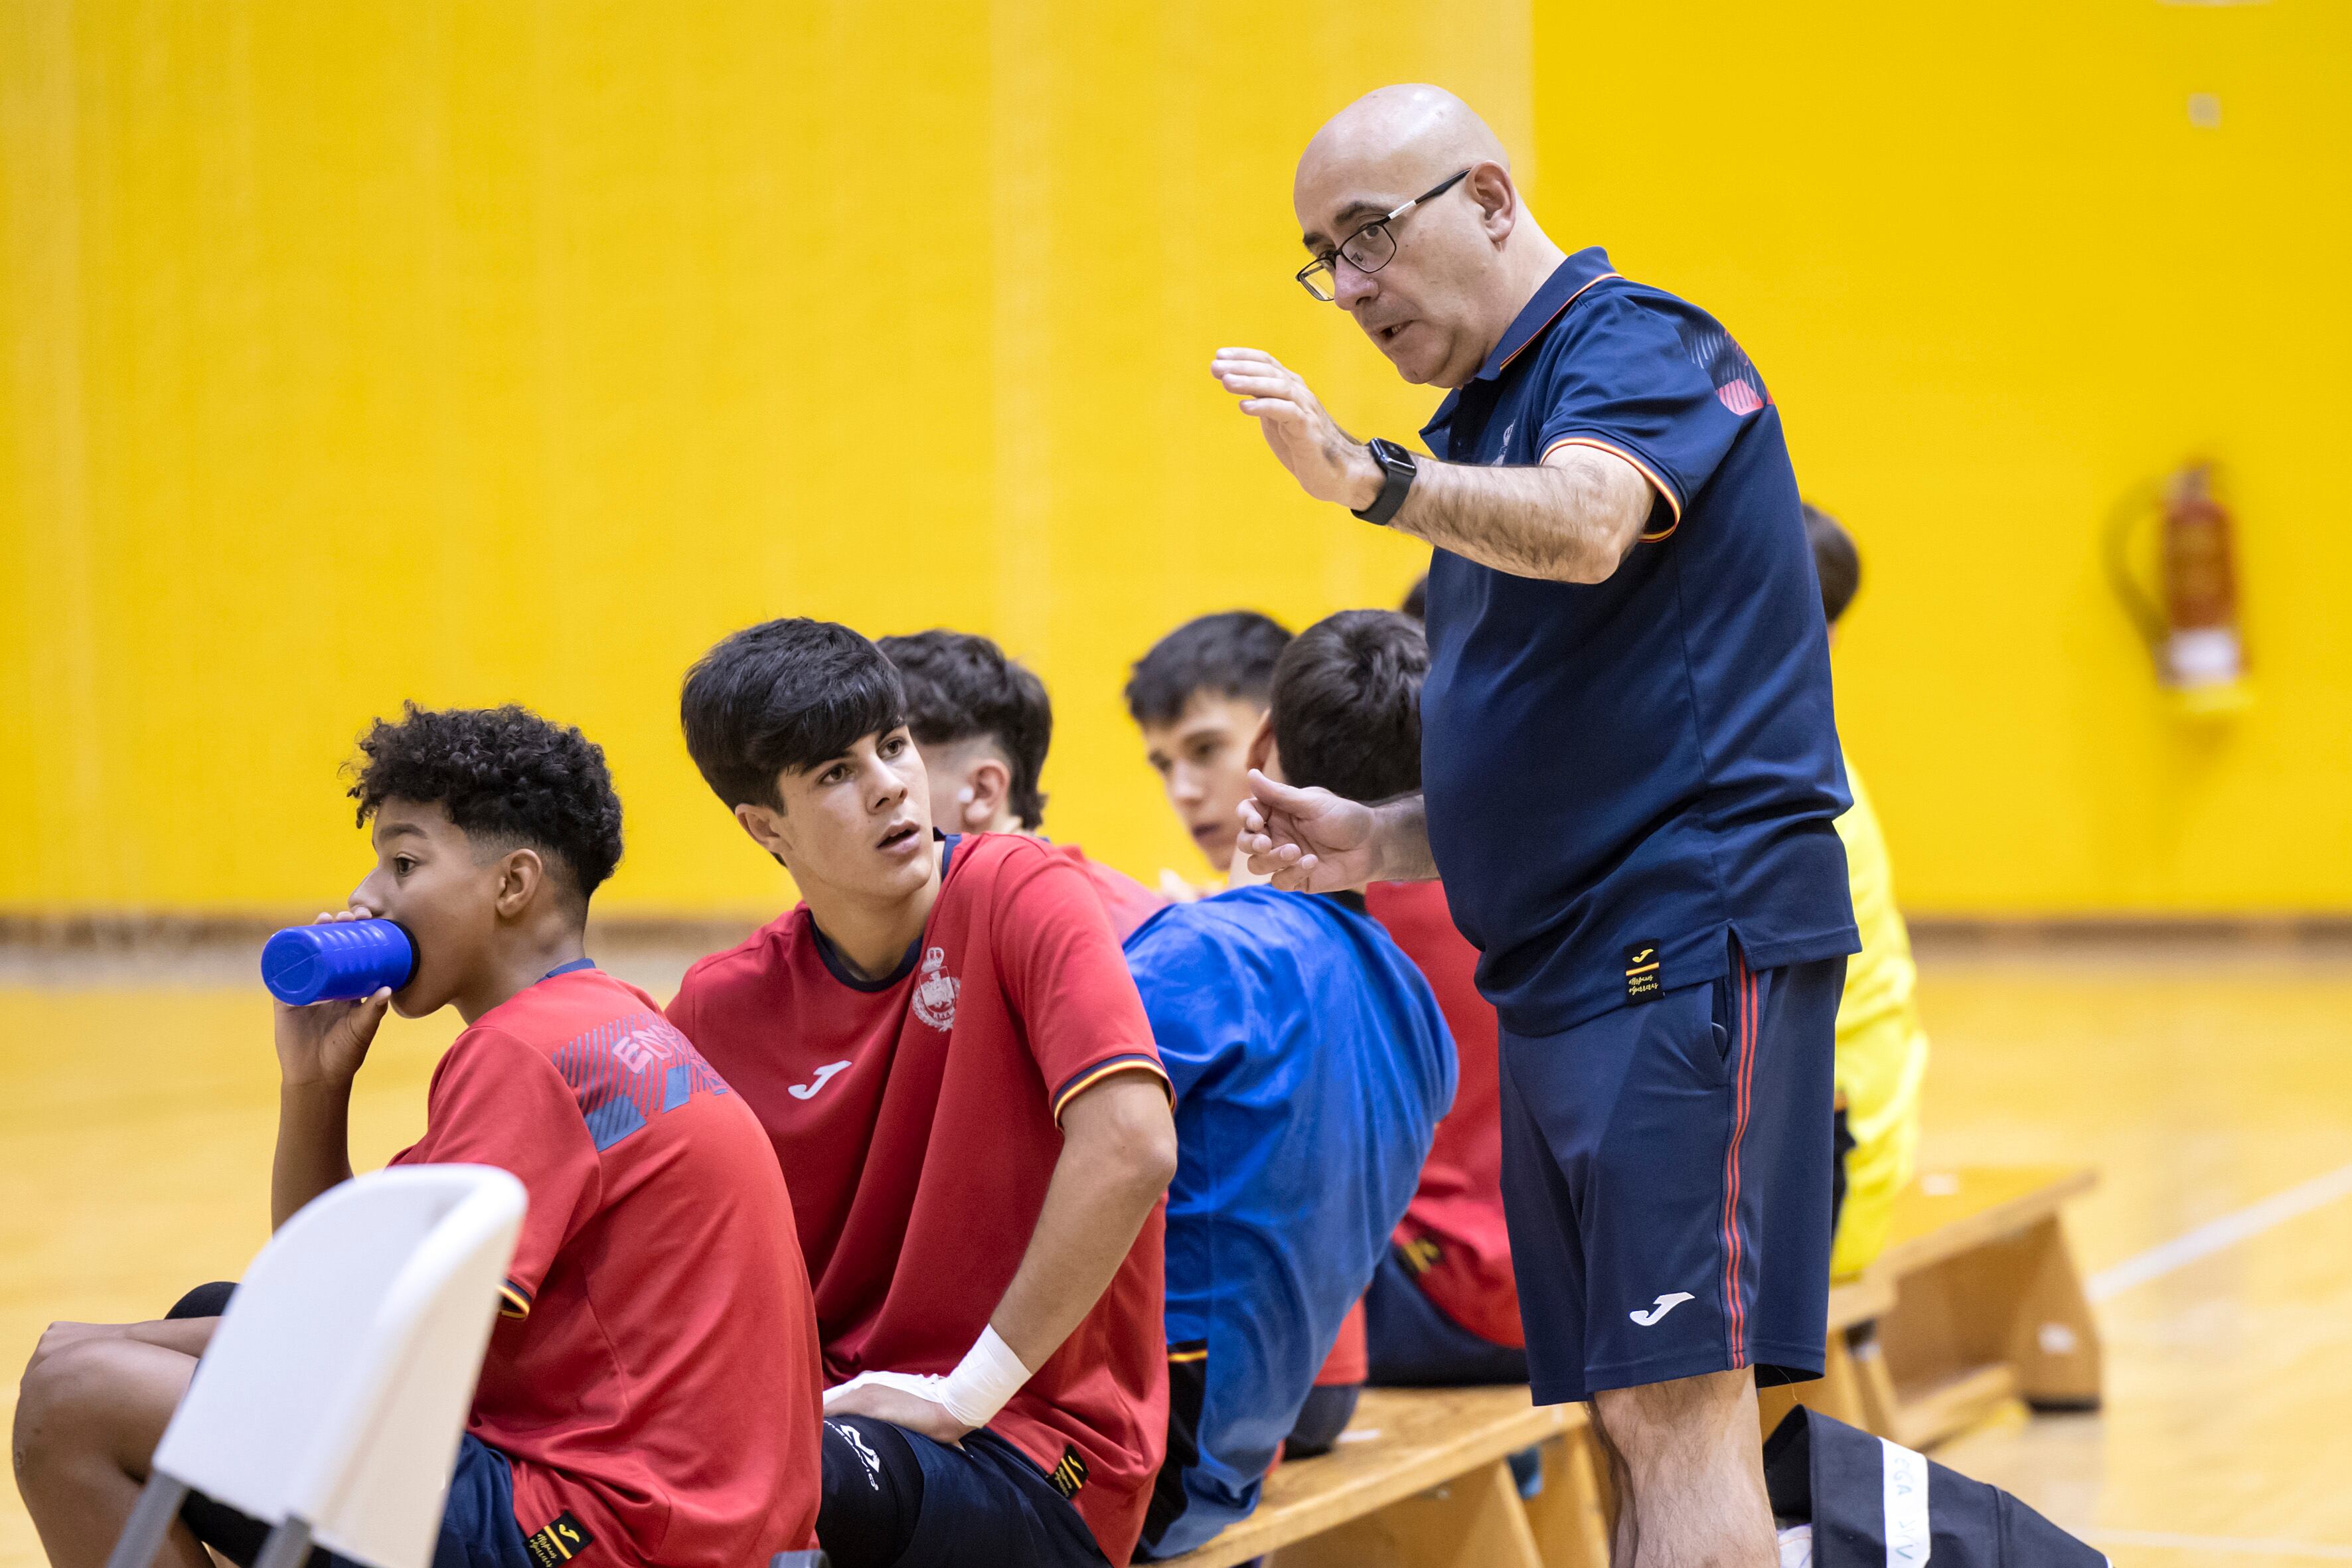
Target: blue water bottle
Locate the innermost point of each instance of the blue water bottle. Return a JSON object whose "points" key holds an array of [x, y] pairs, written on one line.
{"points": [[337, 961]]}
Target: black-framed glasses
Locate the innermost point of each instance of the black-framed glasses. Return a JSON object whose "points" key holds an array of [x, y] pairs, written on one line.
{"points": [[1368, 249]]}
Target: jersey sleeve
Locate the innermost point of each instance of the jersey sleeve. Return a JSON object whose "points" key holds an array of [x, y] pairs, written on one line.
{"points": [[1062, 971], [1657, 382], [1192, 1001], [497, 1101]]}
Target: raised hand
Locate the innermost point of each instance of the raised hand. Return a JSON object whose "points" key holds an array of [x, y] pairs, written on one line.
{"points": [[1327, 462], [1307, 840], [325, 1042]]}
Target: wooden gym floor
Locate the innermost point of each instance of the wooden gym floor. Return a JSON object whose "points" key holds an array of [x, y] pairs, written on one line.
{"points": [[2211, 1086]]}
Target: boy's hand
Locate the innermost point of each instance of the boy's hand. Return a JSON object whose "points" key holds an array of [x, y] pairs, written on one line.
{"points": [[882, 1401], [326, 1042]]}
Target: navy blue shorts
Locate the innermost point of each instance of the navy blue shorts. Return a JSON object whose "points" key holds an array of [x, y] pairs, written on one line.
{"points": [[978, 1505], [1409, 1342], [1667, 1173], [478, 1524]]}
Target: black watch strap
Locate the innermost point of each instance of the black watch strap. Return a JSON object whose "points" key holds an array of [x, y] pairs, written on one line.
{"points": [[1398, 468]]}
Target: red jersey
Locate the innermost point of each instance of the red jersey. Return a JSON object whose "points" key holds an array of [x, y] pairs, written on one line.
{"points": [[1453, 1234], [1350, 1361], [916, 1118], [1127, 901], [653, 1375]]}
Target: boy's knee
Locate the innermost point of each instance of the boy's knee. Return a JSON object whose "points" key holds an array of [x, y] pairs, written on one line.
{"points": [[55, 1400]]}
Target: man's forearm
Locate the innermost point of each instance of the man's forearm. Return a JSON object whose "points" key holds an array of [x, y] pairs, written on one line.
{"points": [[1567, 523], [314, 1150], [1101, 1193], [1400, 837]]}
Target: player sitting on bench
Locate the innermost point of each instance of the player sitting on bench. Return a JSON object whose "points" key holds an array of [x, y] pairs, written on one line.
{"points": [[614, 1422], [1311, 1065], [1444, 1310], [1199, 697], [960, 1082], [1882, 1050], [983, 723]]}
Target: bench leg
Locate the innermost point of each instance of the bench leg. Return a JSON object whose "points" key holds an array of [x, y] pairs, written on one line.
{"points": [[1880, 1413], [1570, 1518], [1476, 1521], [1839, 1393], [2054, 1342]]}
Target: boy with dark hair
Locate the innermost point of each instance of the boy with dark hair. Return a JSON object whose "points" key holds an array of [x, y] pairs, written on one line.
{"points": [[1882, 1048], [1199, 696], [650, 1391], [983, 723], [960, 1085], [1311, 1066]]}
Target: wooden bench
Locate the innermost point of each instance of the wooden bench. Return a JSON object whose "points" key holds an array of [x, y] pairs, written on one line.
{"points": [[1975, 1303], [1420, 1478]]}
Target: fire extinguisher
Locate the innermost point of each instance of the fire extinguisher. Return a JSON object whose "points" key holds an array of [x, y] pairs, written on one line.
{"points": [[2193, 632]]}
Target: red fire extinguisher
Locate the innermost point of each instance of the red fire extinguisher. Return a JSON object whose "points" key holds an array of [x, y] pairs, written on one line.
{"points": [[2193, 631]]}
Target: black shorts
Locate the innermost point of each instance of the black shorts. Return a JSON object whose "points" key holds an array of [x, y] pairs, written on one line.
{"points": [[895, 1498]]}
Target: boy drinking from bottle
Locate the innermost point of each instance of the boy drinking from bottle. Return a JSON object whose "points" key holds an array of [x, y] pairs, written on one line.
{"points": [[650, 1391]]}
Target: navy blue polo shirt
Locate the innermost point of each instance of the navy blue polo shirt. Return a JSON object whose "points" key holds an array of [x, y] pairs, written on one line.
{"points": [[1619, 774]]}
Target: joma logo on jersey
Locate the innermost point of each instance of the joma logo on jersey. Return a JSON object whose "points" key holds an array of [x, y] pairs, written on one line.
{"points": [[559, 1541], [936, 991]]}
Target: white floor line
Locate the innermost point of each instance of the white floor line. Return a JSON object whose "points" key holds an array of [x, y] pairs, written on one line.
{"points": [[2165, 1540], [2214, 1236]]}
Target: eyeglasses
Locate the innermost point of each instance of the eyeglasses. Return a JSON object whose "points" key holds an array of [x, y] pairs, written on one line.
{"points": [[1368, 249]]}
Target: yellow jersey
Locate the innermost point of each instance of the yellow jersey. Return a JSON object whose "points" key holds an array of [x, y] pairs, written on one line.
{"points": [[1882, 1051]]}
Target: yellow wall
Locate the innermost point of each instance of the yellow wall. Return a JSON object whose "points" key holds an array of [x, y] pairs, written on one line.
{"points": [[1997, 280], [471, 352]]}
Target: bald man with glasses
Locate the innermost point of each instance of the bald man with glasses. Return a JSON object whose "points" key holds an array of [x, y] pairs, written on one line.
{"points": [[1630, 772]]}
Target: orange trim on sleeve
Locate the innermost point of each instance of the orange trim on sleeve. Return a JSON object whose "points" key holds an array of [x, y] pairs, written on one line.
{"points": [[1674, 501], [512, 1301], [1111, 1068]]}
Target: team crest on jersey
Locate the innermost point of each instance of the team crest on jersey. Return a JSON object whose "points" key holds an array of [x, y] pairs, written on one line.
{"points": [[936, 991]]}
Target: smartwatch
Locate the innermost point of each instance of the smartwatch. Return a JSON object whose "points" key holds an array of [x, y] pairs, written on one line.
{"points": [[1397, 471]]}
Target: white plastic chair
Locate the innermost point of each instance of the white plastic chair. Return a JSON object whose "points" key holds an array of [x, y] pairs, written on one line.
{"points": [[330, 1403]]}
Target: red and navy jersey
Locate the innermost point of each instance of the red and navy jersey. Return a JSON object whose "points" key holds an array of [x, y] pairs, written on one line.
{"points": [[1622, 776], [1452, 1237], [653, 1376], [916, 1118]]}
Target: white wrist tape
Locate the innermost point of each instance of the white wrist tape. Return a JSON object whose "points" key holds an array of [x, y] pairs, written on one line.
{"points": [[989, 1374]]}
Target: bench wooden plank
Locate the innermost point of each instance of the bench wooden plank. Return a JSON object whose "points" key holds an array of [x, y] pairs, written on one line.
{"points": [[1975, 1303], [1402, 1442], [1948, 1212], [1472, 1521]]}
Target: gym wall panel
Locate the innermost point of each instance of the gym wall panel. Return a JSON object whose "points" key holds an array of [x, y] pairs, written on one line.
{"points": [[467, 352], [1998, 283]]}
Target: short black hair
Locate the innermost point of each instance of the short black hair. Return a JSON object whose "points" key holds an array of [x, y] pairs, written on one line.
{"points": [[784, 695], [959, 685], [1230, 654], [1346, 705], [1416, 598], [505, 776], [1836, 561]]}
